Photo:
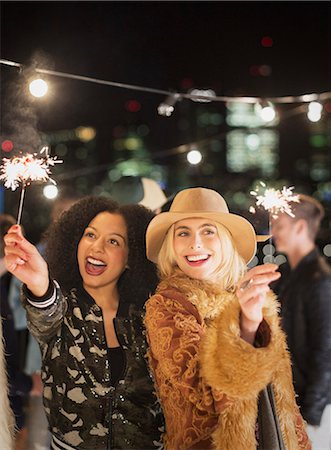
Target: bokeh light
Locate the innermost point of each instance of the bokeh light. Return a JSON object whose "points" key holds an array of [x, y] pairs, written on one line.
{"points": [[327, 250], [7, 145], [133, 106], [50, 191], [194, 157], [267, 41], [314, 111]]}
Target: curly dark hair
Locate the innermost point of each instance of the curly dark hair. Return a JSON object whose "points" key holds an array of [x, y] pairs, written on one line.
{"points": [[63, 236]]}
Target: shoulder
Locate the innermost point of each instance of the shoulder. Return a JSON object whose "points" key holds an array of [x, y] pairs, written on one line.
{"points": [[170, 299]]}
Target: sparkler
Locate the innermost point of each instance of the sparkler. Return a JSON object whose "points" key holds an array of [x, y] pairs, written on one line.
{"points": [[274, 201], [25, 169]]}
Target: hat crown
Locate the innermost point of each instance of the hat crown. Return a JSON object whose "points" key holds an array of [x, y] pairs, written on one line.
{"points": [[197, 200]]}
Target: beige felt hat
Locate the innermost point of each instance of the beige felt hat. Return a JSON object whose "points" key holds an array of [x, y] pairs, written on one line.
{"points": [[205, 203]]}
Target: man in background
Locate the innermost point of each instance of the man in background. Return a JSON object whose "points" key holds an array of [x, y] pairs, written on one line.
{"points": [[304, 291]]}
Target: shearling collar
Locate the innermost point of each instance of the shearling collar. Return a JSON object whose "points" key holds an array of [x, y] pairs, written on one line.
{"points": [[209, 298]]}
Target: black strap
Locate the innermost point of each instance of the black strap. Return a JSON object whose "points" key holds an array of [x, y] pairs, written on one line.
{"points": [[269, 434]]}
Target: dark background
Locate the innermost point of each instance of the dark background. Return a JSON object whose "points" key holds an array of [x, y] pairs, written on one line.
{"points": [[172, 46]]}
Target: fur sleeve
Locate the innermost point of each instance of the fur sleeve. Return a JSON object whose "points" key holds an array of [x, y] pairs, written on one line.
{"points": [[232, 365]]}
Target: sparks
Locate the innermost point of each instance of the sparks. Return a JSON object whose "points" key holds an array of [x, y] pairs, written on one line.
{"points": [[275, 201], [27, 168]]}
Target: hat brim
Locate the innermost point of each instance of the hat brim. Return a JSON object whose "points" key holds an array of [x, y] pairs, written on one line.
{"points": [[263, 237], [242, 231]]}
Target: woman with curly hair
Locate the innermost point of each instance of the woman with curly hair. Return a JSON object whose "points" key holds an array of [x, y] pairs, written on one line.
{"points": [[85, 308]]}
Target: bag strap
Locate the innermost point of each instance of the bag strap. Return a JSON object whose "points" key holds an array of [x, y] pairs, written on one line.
{"points": [[269, 433]]}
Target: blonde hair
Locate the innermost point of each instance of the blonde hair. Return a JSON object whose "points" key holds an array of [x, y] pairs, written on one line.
{"points": [[228, 273]]}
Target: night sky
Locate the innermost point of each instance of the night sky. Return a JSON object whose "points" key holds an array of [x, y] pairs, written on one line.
{"points": [[173, 46], [165, 45]]}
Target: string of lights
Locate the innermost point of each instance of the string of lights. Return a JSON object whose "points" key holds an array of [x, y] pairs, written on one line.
{"points": [[173, 97]]}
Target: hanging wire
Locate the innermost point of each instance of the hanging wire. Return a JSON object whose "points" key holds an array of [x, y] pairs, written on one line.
{"points": [[304, 98]]}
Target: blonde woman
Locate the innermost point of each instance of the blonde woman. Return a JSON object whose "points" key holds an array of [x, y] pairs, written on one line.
{"points": [[219, 357]]}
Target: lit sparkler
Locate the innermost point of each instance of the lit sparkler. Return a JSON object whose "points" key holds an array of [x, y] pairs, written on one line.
{"points": [[25, 169], [274, 201]]}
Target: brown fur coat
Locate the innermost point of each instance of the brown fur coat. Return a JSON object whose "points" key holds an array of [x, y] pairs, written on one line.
{"points": [[208, 379]]}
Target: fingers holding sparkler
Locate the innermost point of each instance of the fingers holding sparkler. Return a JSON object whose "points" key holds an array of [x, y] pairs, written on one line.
{"points": [[23, 260], [251, 292]]}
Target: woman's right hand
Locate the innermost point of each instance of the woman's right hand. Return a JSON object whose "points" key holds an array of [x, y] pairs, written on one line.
{"points": [[23, 260]]}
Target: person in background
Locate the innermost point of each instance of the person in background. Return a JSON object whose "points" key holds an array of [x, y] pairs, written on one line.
{"points": [[30, 358], [140, 190], [19, 384], [217, 351], [305, 294], [85, 309], [7, 421]]}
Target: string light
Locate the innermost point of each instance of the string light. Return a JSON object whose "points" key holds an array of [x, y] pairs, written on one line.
{"points": [[194, 157], [167, 107], [38, 87], [202, 95], [266, 111], [304, 98], [314, 111]]}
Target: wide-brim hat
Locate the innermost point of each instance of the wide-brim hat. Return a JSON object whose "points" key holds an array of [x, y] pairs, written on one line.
{"points": [[204, 203]]}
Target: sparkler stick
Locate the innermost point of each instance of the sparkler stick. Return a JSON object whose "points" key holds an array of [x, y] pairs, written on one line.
{"points": [[274, 201], [20, 208], [24, 169]]}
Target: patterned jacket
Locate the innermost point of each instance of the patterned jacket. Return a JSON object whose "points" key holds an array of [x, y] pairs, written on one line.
{"points": [[83, 409], [208, 378]]}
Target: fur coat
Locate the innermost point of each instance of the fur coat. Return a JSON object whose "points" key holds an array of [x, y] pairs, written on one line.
{"points": [[208, 379]]}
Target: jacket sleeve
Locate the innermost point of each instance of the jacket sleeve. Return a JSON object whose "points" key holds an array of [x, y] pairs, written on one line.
{"points": [[318, 382], [235, 367], [175, 330], [45, 314]]}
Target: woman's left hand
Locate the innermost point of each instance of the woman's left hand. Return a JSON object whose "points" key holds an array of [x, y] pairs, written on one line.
{"points": [[251, 292]]}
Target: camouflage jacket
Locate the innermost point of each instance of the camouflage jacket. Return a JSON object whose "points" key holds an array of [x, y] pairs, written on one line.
{"points": [[84, 410]]}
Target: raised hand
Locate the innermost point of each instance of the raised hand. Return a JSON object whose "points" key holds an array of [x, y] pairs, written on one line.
{"points": [[251, 292], [23, 260]]}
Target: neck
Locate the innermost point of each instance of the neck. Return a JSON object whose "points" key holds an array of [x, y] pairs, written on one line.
{"points": [[299, 253], [107, 298]]}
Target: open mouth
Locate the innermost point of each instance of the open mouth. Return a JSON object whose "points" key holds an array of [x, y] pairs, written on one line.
{"points": [[94, 266], [197, 260]]}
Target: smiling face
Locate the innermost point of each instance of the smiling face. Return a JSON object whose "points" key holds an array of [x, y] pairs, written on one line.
{"points": [[103, 251], [197, 248]]}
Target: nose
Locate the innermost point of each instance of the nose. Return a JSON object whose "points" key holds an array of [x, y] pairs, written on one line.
{"points": [[98, 246], [196, 242]]}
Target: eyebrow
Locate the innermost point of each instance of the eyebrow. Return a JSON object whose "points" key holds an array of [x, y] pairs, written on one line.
{"points": [[184, 227], [111, 234]]}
